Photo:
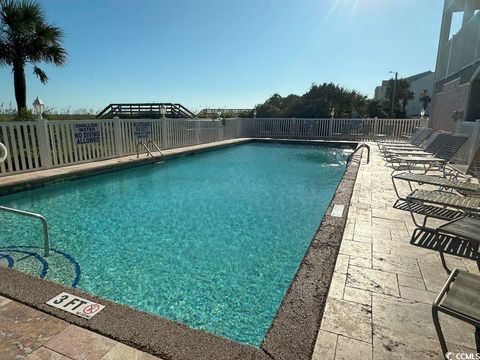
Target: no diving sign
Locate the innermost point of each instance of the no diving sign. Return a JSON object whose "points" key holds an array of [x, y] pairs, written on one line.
{"points": [[75, 305]]}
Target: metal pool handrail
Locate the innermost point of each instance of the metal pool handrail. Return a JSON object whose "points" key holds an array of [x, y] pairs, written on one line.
{"points": [[36, 216], [358, 148], [141, 143], [154, 144]]}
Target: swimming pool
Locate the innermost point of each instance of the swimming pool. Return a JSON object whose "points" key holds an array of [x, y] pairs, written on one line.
{"points": [[212, 241]]}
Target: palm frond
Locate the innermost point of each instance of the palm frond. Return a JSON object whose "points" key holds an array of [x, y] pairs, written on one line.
{"points": [[25, 36], [40, 74]]}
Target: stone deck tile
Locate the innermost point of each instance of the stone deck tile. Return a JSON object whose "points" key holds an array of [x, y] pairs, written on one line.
{"points": [[4, 300], [121, 351], [361, 261], [471, 266], [43, 353], [337, 286], [363, 238], [349, 230], [373, 280], [409, 323], [23, 330], [341, 265], [411, 282], [388, 276], [351, 349], [396, 264], [26, 333], [418, 295], [359, 296], [79, 344], [325, 346], [355, 248], [349, 319], [433, 274], [398, 247]]}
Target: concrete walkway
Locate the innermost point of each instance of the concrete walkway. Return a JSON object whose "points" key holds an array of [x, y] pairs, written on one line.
{"points": [[379, 304]]}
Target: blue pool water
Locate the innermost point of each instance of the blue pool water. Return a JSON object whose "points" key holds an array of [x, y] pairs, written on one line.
{"points": [[211, 240]]}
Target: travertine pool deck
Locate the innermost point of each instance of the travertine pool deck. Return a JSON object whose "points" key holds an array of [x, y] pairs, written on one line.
{"points": [[378, 307], [379, 303], [26, 333]]}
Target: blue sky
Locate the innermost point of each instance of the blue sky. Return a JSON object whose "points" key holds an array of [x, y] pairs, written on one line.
{"points": [[212, 53]]}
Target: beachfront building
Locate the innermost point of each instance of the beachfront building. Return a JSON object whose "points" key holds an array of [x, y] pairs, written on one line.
{"points": [[457, 84], [418, 84]]}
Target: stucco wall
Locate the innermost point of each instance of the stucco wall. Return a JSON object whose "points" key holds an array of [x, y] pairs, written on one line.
{"points": [[451, 98]]}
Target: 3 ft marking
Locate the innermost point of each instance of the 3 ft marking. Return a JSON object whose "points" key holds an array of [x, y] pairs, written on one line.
{"points": [[75, 305]]}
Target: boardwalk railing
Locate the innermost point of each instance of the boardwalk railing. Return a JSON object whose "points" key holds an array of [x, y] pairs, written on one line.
{"points": [[34, 145]]}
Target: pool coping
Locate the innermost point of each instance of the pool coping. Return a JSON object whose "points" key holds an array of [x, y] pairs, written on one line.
{"points": [[293, 331]]}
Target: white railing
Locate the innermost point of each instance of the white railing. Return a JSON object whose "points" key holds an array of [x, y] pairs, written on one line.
{"points": [[355, 129], [461, 51], [70, 144], [42, 144], [21, 140], [34, 145]]}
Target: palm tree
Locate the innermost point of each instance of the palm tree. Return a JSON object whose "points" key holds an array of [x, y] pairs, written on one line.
{"points": [[425, 99], [26, 38], [403, 95], [407, 95]]}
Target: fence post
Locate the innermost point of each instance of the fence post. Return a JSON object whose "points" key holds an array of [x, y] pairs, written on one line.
{"points": [[375, 127], [330, 125], [163, 126], [197, 131], [117, 130], [44, 143], [222, 130], [424, 123]]}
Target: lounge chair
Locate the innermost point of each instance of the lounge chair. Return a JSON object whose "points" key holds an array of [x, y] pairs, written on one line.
{"points": [[460, 298], [465, 171], [455, 178], [440, 205], [439, 162], [422, 146], [407, 141], [426, 144], [464, 229], [462, 187], [415, 141], [434, 145], [444, 206]]}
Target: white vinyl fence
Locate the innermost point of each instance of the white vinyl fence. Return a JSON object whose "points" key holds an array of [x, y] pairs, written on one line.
{"points": [[34, 145], [355, 129]]}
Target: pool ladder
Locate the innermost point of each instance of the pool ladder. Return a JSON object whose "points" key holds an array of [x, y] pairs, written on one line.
{"points": [[46, 244], [147, 147], [349, 159]]}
